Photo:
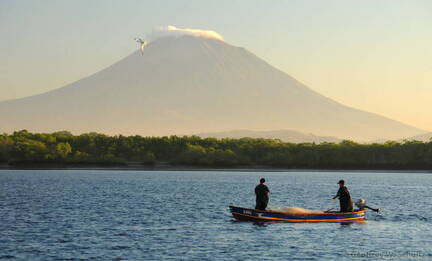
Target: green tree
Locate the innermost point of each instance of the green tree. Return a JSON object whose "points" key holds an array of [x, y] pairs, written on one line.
{"points": [[62, 150]]}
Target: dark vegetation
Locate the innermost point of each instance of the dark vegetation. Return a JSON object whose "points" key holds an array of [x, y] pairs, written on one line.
{"points": [[25, 148]]}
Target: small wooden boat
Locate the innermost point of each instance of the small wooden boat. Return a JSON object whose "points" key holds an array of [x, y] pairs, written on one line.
{"points": [[247, 214]]}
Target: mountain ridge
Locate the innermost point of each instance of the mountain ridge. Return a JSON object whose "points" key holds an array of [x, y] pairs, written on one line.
{"points": [[291, 136]]}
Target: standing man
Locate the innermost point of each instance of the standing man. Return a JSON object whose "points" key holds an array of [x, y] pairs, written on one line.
{"points": [[261, 192], [344, 196]]}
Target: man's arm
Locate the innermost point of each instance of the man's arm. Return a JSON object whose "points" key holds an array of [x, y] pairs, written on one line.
{"points": [[337, 194]]}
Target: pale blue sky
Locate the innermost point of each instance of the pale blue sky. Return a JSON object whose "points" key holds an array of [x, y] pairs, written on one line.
{"points": [[372, 55]]}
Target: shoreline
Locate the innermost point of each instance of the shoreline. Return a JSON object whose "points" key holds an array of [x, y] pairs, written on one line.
{"points": [[138, 167]]}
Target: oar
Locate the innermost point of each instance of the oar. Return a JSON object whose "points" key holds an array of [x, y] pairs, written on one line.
{"points": [[329, 207]]}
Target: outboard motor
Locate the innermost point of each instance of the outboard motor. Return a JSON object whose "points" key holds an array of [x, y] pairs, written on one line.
{"points": [[361, 204]]}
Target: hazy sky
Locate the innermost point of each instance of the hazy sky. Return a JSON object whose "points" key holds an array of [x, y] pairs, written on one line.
{"points": [[373, 55]]}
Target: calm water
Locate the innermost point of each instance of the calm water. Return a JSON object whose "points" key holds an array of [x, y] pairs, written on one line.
{"points": [[145, 215]]}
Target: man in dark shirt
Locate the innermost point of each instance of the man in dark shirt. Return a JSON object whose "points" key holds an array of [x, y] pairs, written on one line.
{"points": [[344, 196], [261, 192]]}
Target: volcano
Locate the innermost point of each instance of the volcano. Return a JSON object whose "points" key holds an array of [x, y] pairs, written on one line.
{"points": [[189, 84]]}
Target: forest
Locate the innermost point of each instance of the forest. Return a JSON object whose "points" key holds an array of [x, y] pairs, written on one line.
{"points": [[63, 148]]}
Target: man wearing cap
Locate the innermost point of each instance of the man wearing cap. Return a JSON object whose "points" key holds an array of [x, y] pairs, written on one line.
{"points": [[261, 192], [344, 196]]}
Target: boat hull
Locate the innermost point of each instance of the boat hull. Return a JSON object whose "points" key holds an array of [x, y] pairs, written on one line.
{"points": [[247, 214]]}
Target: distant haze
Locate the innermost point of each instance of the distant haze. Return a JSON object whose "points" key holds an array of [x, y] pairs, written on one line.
{"points": [[190, 84]]}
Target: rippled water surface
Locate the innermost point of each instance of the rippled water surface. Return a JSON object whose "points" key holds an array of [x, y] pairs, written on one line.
{"points": [[182, 215]]}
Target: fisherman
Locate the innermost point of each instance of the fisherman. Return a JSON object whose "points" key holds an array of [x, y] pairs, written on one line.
{"points": [[344, 196], [261, 192]]}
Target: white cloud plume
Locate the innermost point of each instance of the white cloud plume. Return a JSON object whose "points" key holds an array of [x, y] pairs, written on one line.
{"points": [[171, 30]]}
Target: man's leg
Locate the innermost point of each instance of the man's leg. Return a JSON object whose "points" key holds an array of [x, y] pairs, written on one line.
{"points": [[343, 206], [261, 205]]}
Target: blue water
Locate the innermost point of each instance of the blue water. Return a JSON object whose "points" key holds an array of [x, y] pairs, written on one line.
{"points": [[160, 215]]}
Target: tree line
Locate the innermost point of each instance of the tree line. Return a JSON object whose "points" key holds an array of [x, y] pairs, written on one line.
{"points": [[23, 147]]}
